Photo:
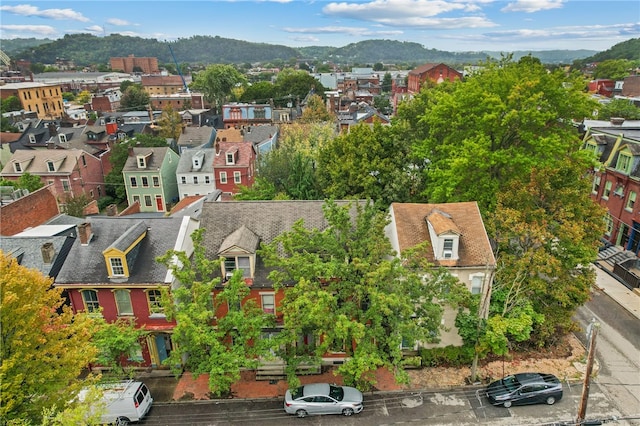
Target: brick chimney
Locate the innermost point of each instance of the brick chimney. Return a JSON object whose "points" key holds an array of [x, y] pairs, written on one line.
{"points": [[130, 151], [48, 253], [84, 233]]}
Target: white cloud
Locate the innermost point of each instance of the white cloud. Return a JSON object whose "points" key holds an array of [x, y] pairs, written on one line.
{"points": [[118, 22], [57, 14], [96, 29], [35, 29], [352, 31], [530, 6]]}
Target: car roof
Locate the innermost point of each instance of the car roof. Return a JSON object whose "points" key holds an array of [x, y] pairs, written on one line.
{"points": [[315, 389], [525, 378]]}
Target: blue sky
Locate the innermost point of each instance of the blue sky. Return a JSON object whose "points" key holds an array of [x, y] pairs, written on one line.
{"points": [[452, 25]]}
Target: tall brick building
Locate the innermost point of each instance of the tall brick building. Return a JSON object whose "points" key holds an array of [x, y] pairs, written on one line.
{"points": [[147, 65]]}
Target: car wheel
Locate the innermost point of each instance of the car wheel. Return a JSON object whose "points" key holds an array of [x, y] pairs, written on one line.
{"points": [[347, 411], [507, 404], [301, 413], [551, 400], [122, 421]]}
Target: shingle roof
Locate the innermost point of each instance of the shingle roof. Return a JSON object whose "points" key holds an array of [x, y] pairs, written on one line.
{"points": [[411, 228], [88, 264]]}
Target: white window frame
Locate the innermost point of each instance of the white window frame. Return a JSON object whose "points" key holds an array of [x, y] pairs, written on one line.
{"points": [[597, 179], [631, 200], [51, 166], [90, 305], [153, 299], [223, 177], [32, 138], [237, 177], [607, 190], [117, 266], [475, 286], [264, 304]]}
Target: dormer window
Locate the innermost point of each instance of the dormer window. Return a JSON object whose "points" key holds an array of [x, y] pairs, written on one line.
{"points": [[447, 248], [624, 162], [32, 138], [62, 138], [142, 162], [51, 166], [17, 167], [444, 234], [231, 157]]}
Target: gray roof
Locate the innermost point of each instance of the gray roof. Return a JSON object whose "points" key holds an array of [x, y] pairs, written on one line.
{"points": [[88, 263], [264, 219], [257, 134], [197, 136], [153, 162], [28, 251], [185, 164]]}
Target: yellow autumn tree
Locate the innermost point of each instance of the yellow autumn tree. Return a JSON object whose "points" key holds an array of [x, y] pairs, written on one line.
{"points": [[44, 346]]}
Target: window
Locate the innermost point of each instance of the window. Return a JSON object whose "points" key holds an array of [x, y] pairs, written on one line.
{"points": [[259, 113], [237, 177], [607, 190], [17, 167], [147, 200], [66, 187], [117, 268], [195, 180], [154, 297], [476, 284], [223, 177], [240, 262], [624, 162], [32, 138], [62, 138], [156, 181], [596, 184], [183, 179], [145, 182], [447, 248], [207, 179], [134, 182], [608, 225], [268, 303], [50, 166], [136, 199], [84, 161], [90, 298], [123, 302], [631, 200], [231, 157], [142, 163]]}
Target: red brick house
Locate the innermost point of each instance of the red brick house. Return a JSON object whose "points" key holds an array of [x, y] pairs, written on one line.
{"points": [[114, 274], [233, 164], [29, 211], [434, 72]]}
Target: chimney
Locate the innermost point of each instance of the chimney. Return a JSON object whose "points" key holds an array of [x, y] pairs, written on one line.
{"points": [[616, 121], [84, 232], [112, 210], [48, 253], [130, 151], [217, 146], [53, 131]]}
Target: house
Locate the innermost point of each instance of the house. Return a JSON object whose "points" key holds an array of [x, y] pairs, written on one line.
{"points": [[162, 85], [616, 182], [602, 87], [196, 137], [150, 178], [359, 113], [114, 274], [436, 73], [195, 172], [68, 172], [234, 163], [457, 240], [107, 101], [179, 101], [43, 99], [239, 114], [264, 137]]}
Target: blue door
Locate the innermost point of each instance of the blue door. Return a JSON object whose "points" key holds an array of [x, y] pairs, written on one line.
{"points": [[163, 345]]}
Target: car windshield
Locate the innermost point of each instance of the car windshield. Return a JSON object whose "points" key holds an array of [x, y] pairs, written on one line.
{"points": [[297, 392], [336, 393], [511, 383]]}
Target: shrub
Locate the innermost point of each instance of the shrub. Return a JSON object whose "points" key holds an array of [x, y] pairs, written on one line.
{"points": [[450, 356]]}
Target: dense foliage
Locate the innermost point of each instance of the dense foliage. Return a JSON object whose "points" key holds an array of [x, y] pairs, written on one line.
{"points": [[346, 289]]}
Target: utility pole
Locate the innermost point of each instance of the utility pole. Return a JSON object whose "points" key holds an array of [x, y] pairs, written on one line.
{"points": [[592, 333]]}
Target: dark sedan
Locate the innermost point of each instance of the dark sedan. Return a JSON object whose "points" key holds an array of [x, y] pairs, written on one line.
{"points": [[524, 389]]}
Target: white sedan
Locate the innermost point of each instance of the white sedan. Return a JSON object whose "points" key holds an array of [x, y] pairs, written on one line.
{"points": [[323, 398]]}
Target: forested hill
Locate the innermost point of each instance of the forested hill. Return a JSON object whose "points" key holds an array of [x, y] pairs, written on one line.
{"points": [[86, 49]]}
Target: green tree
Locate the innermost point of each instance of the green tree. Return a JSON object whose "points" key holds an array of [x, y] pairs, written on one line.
{"points": [[493, 128], [344, 286], [126, 84], [217, 82], [368, 163], [68, 96], [44, 346], [296, 84], [316, 111], [220, 346], [260, 92], [75, 205], [11, 103], [386, 84], [614, 69], [135, 98], [115, 342], [378, 66], [619, 108], [170, 123], [30, 182]]}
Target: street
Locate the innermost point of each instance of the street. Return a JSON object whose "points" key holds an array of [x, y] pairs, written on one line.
{"points": [[453, 407]]}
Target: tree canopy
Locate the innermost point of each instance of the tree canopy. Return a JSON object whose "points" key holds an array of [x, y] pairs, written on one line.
{"points": [[217, 82], [44, 346], [347, 289], [134, 98]]}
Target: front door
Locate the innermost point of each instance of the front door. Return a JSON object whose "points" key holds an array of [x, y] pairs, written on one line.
{"points": [[163, 347], [159, 203]]}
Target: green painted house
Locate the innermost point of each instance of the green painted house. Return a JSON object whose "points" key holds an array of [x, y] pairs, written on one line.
{"points": [[150, 178]]}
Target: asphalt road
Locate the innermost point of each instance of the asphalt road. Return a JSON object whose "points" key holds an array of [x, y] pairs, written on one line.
{"points": [[617, 351], [452, 407]]}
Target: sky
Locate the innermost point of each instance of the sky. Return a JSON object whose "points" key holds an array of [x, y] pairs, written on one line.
{"points": [[450, 25]]}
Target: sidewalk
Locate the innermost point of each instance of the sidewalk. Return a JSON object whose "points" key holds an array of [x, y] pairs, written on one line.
{"points": [[166, 388]]}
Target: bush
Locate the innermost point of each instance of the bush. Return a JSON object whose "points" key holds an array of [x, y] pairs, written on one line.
{"points": [[103, 202], [449, 356]]}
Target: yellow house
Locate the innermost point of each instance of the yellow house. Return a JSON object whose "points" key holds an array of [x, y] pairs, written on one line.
{"points": [[43, 99]]}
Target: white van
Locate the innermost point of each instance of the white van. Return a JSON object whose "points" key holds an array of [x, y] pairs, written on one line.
{"points": [[125, 402]]}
